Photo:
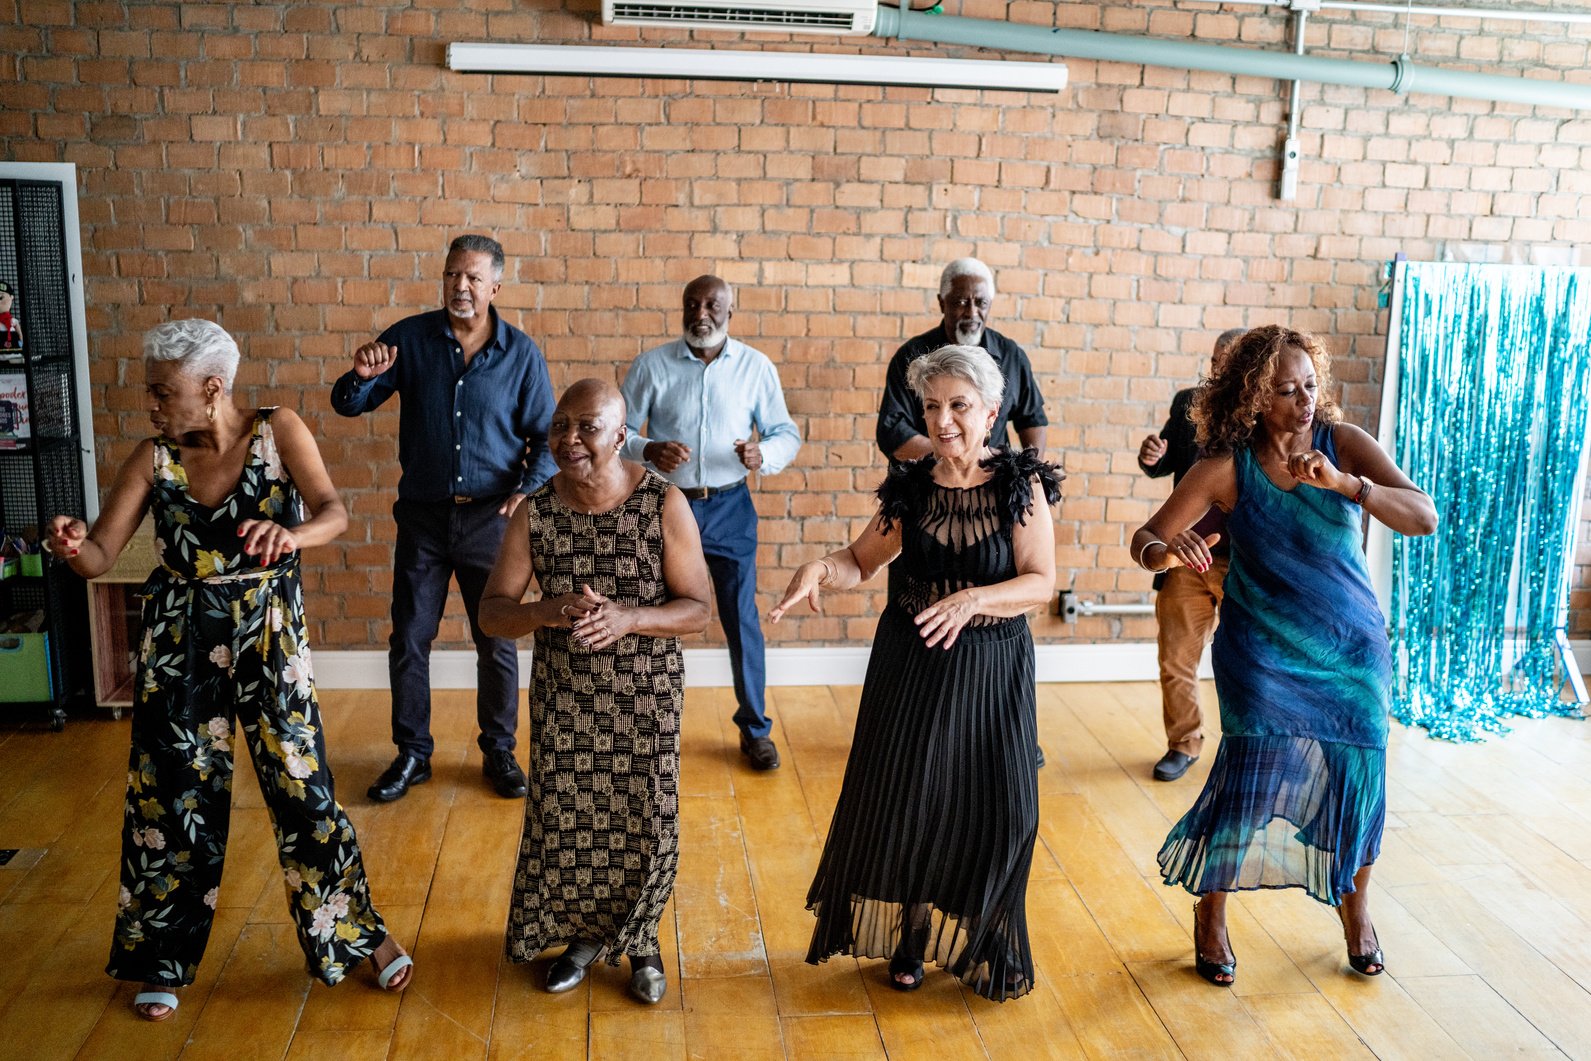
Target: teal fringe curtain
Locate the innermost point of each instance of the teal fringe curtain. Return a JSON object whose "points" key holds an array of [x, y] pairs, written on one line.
{"points": [[1494, 372]]}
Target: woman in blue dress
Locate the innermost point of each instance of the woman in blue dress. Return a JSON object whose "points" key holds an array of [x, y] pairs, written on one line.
{"points": [[1296, 797]]}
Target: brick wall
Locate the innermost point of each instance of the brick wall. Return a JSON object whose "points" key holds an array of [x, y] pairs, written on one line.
{"points": [[294, 170]]}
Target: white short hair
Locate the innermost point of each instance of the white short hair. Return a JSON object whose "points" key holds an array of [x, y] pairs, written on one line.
{"points": [[970, 363], [201, 349], [964, 267]]}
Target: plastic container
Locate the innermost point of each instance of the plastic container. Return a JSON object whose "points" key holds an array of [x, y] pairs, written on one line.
{"points": [[25, 668]]}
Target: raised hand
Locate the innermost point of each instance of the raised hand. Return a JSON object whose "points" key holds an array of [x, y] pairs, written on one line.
{"points": [[750, 454], [1153, 448], [64, 536], [372, 359], [666, 456], [1314, 468]]}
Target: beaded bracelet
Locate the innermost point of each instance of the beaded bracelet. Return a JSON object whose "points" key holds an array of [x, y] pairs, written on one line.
{"points": [[1365, 486]]}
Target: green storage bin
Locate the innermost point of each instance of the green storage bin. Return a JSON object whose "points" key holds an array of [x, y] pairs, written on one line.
{"points": [[25, 668]]}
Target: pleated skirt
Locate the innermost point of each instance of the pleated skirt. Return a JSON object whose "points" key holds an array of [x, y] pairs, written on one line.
{"points": [[933, 833], [1281, 812]]}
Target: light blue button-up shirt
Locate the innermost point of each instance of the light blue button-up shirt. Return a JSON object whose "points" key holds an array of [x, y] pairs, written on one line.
{"points": [[677, 398]]}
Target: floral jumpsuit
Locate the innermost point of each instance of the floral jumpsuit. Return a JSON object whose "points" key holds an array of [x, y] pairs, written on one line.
{"points": [[224, 656]]}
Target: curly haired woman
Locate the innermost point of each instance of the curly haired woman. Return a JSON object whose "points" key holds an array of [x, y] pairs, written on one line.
{"points": [[1296, 797]]}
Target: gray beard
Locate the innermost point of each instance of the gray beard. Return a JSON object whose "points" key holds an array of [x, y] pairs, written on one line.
{"points": [[968, 334], [708, 341]]}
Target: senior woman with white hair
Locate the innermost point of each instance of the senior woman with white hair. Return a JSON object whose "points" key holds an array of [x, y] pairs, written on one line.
{"points": [[933, 833], [224, 643]]}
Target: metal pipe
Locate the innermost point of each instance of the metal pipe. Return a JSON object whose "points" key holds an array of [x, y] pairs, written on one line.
{"points": [[1288, 189], [1399, 76], [1441, 11]]}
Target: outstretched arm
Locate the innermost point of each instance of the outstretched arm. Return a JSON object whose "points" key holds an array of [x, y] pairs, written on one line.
{"points": [[843, 569]]}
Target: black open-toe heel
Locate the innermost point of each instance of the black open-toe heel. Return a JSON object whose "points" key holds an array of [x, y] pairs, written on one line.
{"points": [[1361, 963], [1212, 971], [908, 957]]}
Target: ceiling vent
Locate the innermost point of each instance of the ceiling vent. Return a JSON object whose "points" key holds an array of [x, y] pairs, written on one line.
{"points": [[748, 16]]}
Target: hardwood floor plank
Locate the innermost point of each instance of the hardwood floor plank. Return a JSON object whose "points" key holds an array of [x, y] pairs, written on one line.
{"points": [[1111, 1017], [1477, 1017], [714, 893], [1305, 1028], [732, 1017], [840, 1037], [1205, 1021]]}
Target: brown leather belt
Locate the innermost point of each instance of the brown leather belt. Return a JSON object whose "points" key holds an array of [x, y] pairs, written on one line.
{"points": [[460, 499], [698, 493]]}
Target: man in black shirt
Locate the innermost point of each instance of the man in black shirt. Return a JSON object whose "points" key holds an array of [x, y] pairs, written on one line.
{"points": [[1188, 600], [966, 293]]}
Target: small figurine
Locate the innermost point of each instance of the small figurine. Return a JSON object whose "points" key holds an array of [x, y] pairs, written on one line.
{"points": [[10, 323]]}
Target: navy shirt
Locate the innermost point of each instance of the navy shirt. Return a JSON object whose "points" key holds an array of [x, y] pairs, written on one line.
{"points": [[900, 413], [477, 431]]}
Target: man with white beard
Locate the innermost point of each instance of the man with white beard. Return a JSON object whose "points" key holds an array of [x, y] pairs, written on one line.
{"points": [[699, 400], [966, 293]]}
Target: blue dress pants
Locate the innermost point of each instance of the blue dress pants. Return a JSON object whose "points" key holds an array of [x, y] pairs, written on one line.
{"points": [[436, 541], [728, 524]]}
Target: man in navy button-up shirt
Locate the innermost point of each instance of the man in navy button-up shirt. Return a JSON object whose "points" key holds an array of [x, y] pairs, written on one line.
{"points": [[472, 443]]}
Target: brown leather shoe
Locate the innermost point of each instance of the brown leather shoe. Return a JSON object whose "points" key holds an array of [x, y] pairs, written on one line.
{"points": [[760, 752]]}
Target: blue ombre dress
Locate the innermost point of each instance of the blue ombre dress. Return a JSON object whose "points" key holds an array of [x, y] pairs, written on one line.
{"points": [[1296, 797]]}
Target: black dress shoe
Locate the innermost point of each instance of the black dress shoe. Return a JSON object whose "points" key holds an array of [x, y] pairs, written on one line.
{"points": [[760, 752], [504, 773], [395, 780], [1173, 765]]}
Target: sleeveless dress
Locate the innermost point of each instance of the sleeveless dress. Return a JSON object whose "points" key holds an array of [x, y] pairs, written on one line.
{"points": [[224, 644], [600, 846], [1296, 797], [933, 832]]}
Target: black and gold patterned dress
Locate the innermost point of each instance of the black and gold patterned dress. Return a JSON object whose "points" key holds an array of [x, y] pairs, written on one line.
{"points": [[601, 840]]}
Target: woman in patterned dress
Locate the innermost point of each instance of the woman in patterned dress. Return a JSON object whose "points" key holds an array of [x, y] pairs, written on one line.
{"points": [[1296, 797], [224, 656], [616, 554], [932, 839]]}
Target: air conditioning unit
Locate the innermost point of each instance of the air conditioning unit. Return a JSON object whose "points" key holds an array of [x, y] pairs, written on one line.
{"points": [[758, 16]]}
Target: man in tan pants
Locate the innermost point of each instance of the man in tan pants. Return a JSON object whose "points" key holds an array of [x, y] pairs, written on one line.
{"points": [[1188, 601]]}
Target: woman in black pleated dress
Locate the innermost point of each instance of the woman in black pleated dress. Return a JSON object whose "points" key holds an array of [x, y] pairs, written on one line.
{"points": [[932, 839]]}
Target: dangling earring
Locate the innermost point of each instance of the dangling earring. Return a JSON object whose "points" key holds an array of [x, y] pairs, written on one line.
{"points": [[209, 411]]}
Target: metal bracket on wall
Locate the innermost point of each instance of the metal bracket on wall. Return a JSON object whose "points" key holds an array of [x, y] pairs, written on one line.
{"points": [[1070, 606]]}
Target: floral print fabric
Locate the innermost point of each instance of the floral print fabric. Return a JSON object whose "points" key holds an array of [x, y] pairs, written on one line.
{"points": [[224, 661]]}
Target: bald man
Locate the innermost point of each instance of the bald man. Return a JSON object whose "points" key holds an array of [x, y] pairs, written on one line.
{"points": [[1187, 601], [706, 410]]}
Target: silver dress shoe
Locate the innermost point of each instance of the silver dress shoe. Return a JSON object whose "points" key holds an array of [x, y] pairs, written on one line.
{"points": [[570, 968], [648, 985]]}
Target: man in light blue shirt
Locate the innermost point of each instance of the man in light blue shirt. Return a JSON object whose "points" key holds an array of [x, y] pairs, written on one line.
{"points": [[700, 399]]}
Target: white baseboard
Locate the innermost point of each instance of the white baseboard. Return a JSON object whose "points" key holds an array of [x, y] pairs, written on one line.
{"points": [[709, 667], [842, 665]]}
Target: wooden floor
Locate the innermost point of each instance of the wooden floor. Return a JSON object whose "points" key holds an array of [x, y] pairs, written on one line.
{"points": [[1483, 903]]}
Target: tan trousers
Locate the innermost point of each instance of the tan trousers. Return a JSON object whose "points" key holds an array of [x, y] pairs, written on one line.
{"points": [[1186, 609]]}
